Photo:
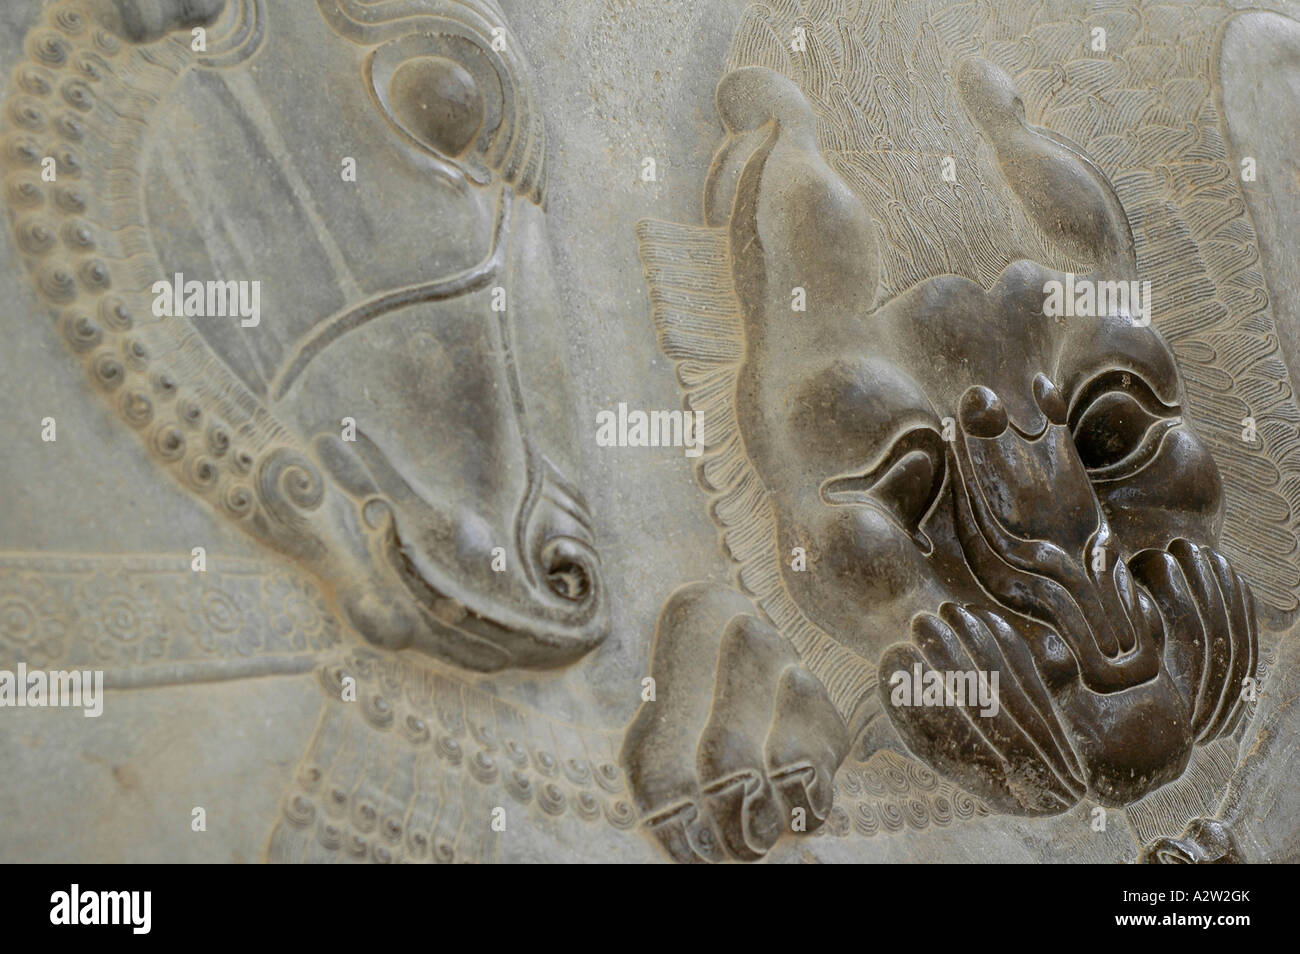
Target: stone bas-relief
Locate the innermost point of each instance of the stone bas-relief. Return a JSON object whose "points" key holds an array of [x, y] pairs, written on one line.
{"points": [[981, 311], [389, 509], [1062, 535]]}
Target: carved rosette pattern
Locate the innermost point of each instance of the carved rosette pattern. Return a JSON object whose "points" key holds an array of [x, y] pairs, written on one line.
{"points": [[149, 613]]}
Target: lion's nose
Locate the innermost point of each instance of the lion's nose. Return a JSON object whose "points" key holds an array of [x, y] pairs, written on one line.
{"points": [[1035, 536]]}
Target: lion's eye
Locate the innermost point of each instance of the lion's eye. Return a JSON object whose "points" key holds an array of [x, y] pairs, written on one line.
{"points": [[1118, 424], [904, 484], [1110, 429]]}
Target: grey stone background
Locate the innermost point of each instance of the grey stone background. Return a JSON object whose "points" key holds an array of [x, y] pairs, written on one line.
{"points": [[619, 80]]}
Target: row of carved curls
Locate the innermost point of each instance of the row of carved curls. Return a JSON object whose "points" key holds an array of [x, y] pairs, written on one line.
{"points": [[53, 93], [504, 762]]}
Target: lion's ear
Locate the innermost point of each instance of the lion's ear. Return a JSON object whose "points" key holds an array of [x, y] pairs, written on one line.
{"points": [[1064, 192]]}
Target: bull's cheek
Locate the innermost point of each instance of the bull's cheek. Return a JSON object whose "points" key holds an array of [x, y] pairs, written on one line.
{"points": [[1179, 494], [1129, 743], [865, 575]]}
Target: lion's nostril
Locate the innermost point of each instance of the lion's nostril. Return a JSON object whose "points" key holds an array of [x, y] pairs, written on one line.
{"points": [[1049, 399], [982, 413]]}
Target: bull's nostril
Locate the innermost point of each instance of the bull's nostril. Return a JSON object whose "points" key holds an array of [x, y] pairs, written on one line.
{"points": [[569, 580], [982, 413], [569, 568], [1049, 399]]}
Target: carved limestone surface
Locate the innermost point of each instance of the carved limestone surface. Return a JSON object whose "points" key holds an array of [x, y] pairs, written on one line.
{"points": [[274, 423], [954, 450], [952, 515]]}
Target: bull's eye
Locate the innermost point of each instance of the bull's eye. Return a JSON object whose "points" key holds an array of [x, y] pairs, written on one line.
{"points": [[437, 102], [904, 484], [1118, 425]]}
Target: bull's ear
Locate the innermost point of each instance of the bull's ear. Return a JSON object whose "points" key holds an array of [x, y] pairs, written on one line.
{"points": [[143, 21]]}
